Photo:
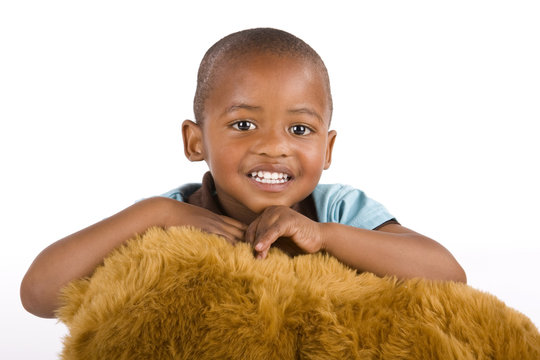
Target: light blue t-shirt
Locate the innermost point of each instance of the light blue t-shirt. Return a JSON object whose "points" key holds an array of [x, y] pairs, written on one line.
{"points": [[335, 203], [344, 204]]}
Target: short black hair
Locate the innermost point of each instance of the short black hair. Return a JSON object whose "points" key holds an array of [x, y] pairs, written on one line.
{"points": [[261, 40]]}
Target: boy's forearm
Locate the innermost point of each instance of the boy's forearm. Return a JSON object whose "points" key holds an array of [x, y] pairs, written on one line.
{"points": [[77, 255], [394, 250]]}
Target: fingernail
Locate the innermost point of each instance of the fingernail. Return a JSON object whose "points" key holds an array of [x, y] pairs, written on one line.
{"points": [[259, 247]]}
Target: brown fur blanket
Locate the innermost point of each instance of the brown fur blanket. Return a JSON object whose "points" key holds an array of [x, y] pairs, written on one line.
{"points": [[183, 294]]}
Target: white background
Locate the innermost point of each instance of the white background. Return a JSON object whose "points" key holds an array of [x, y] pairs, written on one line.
{"points": [[436, 109]]}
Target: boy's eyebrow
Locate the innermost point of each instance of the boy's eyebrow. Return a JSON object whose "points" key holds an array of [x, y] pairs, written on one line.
{"points": [[242, 106], [300, 110], [304, 110]]}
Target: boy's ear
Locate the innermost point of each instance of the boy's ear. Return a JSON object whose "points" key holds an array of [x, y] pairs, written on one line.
{"points": [[193, 142], [329, 147]]}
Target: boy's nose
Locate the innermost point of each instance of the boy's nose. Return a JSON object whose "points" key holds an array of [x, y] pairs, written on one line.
{"points": [[273, 143]]}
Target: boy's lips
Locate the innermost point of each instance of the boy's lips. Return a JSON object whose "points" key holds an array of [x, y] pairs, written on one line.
{"points": [[270, 177]]}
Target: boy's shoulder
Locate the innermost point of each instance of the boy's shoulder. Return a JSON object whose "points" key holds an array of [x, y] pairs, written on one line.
{"points": [[334, 189], [182, 192], [348, 205], [334, 193]]}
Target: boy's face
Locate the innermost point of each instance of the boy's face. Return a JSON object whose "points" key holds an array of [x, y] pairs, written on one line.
{"points": [[265, 133]]}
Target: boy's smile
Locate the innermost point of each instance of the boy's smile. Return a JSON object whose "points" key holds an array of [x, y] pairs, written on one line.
{"points": [[265, 133]]}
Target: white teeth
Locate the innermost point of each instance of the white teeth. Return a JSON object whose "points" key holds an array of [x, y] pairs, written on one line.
{"points": [[267, 177]]}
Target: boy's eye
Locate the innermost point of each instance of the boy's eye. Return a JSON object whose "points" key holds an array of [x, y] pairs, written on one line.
{"points": [[244, 125], [300, 130]]}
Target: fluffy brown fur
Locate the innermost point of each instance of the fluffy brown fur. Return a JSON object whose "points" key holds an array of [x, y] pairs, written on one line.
{"points": [[183, 294]]}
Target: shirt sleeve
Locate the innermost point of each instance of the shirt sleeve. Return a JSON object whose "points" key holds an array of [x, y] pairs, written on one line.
{"points": [[183, 192], [349, 206]]}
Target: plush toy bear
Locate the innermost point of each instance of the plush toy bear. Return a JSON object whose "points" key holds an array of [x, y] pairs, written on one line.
{"points": [[179, 293]]}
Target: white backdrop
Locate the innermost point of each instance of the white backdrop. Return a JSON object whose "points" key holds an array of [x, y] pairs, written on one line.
{"points": [[436, 109]]}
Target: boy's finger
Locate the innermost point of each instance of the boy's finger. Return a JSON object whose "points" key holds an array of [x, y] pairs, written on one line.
{"points": [[256, 232], [263, 254], [221, 232], [231, 240], [230, 225], [234, 222], [266, 237], [233, 237], [235, 232], [221, 228], [251, 231]]}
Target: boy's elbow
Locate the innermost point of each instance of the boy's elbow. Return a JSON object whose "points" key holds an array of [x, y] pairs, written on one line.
{"points": [[463, 277], [28, 296], [459, 275], [32, 296], [447, 271]]}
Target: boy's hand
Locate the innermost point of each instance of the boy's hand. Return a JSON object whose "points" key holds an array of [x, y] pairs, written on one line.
{"points": [[180, 213], [281, 221]]}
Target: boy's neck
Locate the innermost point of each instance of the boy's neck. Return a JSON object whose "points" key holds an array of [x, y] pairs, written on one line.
{"points": [[207, 197], [237, 212]]}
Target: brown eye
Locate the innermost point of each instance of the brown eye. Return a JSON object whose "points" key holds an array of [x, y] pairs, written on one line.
{"points": [[300, 130], [244, 125]]}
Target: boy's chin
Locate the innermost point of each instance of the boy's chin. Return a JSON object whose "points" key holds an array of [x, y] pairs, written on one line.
{"points": [[260, 207]]}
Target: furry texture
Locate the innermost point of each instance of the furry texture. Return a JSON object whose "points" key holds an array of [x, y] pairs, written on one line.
{"points": [[183, 294]]}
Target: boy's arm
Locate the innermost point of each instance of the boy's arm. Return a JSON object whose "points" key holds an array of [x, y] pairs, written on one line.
{"points": [[77, 255], [391, 250]]}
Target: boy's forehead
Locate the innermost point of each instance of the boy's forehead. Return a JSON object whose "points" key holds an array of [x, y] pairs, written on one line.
{"points": [[251, 65]]}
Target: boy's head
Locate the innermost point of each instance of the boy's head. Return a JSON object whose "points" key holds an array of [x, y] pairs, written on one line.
{"points": [[263, 109], [252, 41]]}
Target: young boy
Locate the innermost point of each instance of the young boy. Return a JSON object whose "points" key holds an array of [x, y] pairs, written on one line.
{"points": [[263, 108]]}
